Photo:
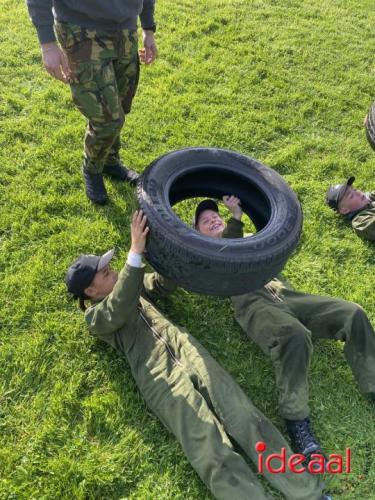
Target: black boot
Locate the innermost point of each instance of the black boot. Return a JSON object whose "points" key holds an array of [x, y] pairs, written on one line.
{"points": [[118, 171], [95, 188], [302, 438]]}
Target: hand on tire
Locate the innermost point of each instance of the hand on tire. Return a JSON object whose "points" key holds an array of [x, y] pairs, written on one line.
{"points": [[233, 204], [139, 232]]}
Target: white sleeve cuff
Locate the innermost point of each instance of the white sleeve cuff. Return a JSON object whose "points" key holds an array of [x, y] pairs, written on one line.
{"points": [[134, 259]]}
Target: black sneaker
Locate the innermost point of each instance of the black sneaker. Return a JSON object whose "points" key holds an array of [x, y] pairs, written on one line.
{"points": [[302, 438], [326, 497], [118, 171], [95, 188]]}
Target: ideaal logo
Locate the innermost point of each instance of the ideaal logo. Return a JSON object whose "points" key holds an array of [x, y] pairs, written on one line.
{"points": [[277, 463]]}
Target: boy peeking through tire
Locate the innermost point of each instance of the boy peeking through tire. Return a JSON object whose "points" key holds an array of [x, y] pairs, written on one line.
{"points": [[284, 322], [182, 384]]}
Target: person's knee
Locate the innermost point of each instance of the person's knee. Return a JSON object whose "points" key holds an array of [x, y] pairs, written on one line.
{"points": [[354, 322], [359, 317], [108, 127], [354, 312], [295, 340], [358, 310]]}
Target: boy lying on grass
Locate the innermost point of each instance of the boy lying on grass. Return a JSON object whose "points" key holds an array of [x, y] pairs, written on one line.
{"points": [[182, 384], [284, 322], [355, 206]]}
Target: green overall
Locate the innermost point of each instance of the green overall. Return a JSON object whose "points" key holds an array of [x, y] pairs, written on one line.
{"points": [[190, 393], [105, 72], [284, 322], [363, 222]]}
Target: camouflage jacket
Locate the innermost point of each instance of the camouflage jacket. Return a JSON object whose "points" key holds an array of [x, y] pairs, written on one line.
{"points": [[363, 221], [94, 14]]}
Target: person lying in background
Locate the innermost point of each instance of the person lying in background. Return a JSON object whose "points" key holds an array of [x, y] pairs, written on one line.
{"points": [[355, 206]]}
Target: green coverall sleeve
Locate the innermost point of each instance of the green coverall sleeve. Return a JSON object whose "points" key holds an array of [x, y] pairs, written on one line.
{"points": [[156, 286], [364, 224], [120, 306], [234, 229]]}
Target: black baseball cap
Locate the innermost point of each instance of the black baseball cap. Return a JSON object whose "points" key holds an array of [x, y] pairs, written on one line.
{"points": [[336, 193], [202, 206], [81, 273]]}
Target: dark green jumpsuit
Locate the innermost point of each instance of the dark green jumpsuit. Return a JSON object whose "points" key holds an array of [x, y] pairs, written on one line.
{"points": [[190, 393], [283, 322], [363, 222]]}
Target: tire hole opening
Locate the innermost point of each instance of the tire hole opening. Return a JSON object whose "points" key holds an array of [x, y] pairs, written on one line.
{"points": [[196, 185]]}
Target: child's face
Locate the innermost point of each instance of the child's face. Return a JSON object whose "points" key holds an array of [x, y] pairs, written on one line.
{"points": [[102, 284], [210, 224], [352, 200]]}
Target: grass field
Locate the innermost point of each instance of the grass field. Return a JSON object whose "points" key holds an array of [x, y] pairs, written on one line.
{"points": [[284, 81]]}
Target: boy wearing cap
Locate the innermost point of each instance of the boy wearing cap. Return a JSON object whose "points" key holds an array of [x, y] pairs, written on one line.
{"points": [[191, 394], [356, 206], [283, 322]]}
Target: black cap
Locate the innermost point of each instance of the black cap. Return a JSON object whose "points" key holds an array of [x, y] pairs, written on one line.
{"points": [[336, 193], [81, 273], [202, 206]]}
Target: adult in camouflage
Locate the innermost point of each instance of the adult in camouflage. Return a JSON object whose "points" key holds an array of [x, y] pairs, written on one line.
{"points": [[97, 55]]}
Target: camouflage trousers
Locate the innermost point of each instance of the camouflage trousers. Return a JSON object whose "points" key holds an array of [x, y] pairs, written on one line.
{"points": [[105, 73], [284, 326]]}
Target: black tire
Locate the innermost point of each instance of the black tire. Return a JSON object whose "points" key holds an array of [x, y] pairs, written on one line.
{"points": [[218, 266], [370, 126]]}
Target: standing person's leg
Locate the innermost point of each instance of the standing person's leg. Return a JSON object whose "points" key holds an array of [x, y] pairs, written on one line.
{"points": [[94, 88], [331, 318], [95, 93], [240, 419], [127, 69]]}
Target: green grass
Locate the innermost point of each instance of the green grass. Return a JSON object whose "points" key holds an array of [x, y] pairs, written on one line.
{"points": [[284, 81]]}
